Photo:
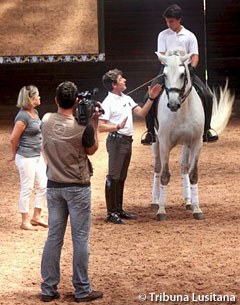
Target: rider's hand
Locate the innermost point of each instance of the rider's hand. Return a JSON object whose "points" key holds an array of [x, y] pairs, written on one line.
{"points": [[191, 69]]}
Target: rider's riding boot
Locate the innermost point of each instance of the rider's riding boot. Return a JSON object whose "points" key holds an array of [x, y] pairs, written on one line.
{"points": [[208, 135], [122, 214], [207, 101], [149, 136], [111, 201]]}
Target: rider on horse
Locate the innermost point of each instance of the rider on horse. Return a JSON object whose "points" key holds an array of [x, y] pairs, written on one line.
{"points": [[175, 37]]}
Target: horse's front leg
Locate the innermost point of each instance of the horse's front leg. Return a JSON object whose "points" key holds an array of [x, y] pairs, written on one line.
{"points": [[165, 177], [193, 176], [156, 175], [185, 177]]}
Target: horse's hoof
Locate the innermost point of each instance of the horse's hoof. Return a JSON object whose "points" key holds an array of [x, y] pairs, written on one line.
{"points": [[154, 205], [189, 207], [161, 217], [198, 216]]}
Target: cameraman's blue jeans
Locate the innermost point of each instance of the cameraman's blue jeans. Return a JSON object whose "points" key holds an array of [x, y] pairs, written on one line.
{"points": [[76, 202]]}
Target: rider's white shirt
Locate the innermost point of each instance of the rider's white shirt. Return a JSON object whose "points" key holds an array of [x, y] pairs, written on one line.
{"points": [[170, 40], [117, 108]]}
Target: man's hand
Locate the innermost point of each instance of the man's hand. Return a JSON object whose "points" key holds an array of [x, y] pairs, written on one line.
{"points": [[98, 109], [96, 115], [122, 124], [154, 91]]}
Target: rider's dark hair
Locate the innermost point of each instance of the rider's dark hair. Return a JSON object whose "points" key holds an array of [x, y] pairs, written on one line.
{"points": [[66, 94], [111, 77], [173, 11]]}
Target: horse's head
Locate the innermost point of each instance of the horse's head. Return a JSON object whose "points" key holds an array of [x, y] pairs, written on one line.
{"points": [[176, 77]]}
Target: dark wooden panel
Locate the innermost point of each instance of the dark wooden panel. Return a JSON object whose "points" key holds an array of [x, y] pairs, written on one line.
{"points": [[86, 75], [132, 27], [223, 40]]}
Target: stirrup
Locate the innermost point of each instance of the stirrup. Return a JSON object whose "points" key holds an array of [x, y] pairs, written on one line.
{"points": [[148, 138], [209, 137]]}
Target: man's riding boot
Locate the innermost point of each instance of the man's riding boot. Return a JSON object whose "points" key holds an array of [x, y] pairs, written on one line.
{"points": [[120, 211], [207, 101], [111, 201]]}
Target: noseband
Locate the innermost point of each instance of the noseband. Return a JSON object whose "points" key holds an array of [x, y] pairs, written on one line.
{"points": [[182, 94]]}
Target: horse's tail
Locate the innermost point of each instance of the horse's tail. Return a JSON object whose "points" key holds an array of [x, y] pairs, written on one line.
{"points": [[222, 109]]}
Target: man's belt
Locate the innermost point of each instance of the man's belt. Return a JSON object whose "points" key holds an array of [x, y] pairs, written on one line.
{"points": [[120, 136]]}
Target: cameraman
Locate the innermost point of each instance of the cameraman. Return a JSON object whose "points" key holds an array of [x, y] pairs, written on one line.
{"points": [[118, 121], [66, 145]]}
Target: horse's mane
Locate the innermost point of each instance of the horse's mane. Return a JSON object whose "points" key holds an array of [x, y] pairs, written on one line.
{"points": [[178, 52]]}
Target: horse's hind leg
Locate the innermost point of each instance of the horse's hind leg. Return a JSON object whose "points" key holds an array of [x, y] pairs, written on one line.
{"points": [[185, 177], [156, 175]]}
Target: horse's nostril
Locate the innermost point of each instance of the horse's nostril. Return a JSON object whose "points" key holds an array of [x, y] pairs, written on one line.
{"points": [[178, 106]]}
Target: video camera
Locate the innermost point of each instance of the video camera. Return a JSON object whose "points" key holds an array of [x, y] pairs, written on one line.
{"points": [[87, 106]]}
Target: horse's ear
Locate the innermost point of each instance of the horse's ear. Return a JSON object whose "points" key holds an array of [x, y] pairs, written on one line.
{"points": [[161, 57]]}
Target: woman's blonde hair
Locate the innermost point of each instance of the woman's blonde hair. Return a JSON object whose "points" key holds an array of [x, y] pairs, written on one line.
{"points": [[26, 95]]}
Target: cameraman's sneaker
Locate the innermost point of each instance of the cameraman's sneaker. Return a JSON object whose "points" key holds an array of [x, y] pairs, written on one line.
{"points": [[91, 297], [50, 298]]}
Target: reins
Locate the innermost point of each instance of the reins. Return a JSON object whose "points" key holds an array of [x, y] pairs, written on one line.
{"points": [[180, 91], [130, 92], [186, 94]]}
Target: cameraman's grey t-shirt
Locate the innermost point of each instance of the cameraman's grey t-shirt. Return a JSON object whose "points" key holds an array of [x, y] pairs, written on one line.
{"points": [[30, 142]]}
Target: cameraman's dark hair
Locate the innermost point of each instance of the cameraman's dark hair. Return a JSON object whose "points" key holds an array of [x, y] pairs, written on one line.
{"points": [[111, 77], [173, 11], [66, 94]]}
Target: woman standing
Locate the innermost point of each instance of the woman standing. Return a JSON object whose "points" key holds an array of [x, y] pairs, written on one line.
{"points": [[26, 144]]}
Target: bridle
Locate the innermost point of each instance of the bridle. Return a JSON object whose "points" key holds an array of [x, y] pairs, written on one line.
{"points": [[182, 94]]}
